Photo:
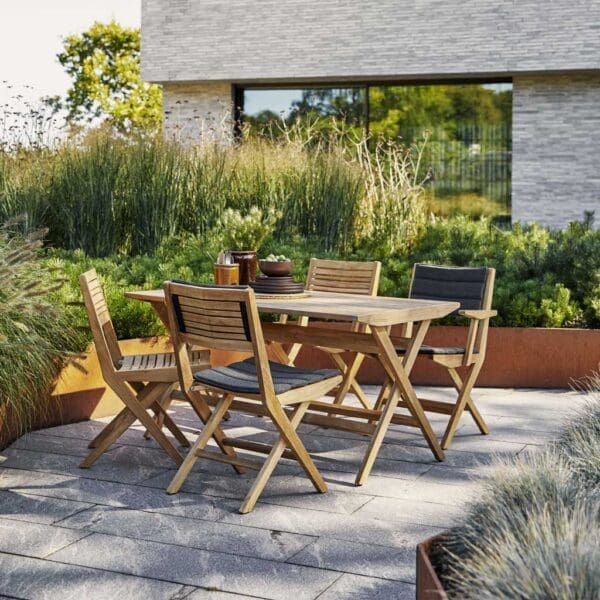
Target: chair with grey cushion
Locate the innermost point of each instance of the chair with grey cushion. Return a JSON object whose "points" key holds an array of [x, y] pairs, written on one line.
{"points": [[226, 318], [473, 287]]}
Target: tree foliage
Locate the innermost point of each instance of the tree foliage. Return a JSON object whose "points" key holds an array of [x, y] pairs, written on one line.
{"points": [[104, 65]]}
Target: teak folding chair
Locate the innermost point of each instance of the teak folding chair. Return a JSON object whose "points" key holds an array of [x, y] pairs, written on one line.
{"points": [[142, 381], [473, 287], [346, 277], [226, 318]]}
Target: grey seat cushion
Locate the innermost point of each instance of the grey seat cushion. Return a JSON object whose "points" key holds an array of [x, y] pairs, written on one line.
{"points": [[435, 350], [241, 377]]}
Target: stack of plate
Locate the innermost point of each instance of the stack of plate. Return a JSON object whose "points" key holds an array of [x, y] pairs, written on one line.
{"points": [[276, 285]]}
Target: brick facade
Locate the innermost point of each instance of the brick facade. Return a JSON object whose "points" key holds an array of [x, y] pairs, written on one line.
{"points": [[198, 112], [556, 148], [551, 50]]}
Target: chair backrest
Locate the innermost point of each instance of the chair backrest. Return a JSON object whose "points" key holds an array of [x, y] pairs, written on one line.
{"points": [[471, 286], [347, 277], [103, 331], [216, 317]]}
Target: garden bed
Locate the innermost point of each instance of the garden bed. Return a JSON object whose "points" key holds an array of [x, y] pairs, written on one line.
{"points": [[429, 586], [516, 357]]}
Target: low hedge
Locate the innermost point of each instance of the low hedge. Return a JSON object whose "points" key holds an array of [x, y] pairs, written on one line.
{"points": [[534, 532], [544, 278]]}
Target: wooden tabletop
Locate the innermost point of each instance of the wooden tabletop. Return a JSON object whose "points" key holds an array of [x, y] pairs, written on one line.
{"points": [[377, 311]]}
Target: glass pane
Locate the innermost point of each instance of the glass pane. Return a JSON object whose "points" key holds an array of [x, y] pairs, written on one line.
{"points": [[318, 107], [470, 141]]}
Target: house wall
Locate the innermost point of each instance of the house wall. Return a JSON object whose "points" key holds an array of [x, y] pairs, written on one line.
{"points": [[199, 112], [267, 40], [556, 148], [551, 50]]}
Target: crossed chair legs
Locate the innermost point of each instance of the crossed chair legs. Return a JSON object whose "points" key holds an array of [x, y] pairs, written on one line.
{"points": [[463, 402], [287, 438], [138, 399]]}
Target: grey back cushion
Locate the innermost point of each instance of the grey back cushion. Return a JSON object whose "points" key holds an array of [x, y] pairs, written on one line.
{"points": [[456, 284]]}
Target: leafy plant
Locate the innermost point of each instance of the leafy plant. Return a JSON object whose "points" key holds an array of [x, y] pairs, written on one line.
{"points": [[248, 232], [104, 65]]}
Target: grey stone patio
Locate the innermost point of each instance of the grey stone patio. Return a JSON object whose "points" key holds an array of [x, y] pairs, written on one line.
{"points": [[112, 532]]}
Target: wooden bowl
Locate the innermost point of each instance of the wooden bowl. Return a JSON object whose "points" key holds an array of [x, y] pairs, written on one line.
{"points": [[275, 268]]}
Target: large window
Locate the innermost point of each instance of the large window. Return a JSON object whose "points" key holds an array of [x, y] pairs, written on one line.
{"points": [[320, 107], [469, 128]]}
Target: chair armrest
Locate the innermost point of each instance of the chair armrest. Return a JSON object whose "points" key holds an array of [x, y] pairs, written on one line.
{"points": [[478, 314]]}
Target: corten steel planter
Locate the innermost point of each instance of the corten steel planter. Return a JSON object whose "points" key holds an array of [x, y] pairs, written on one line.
{"points": [[516, 357], [429, 586]]}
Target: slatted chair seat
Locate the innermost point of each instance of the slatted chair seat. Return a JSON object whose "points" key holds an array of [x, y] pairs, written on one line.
{"points": [[241, 377], [473, 288], [155, 367]]}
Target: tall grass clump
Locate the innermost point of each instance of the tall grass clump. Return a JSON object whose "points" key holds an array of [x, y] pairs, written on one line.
{"points": [[107, 194], [35, 334], [534, 533], [393, 212]]}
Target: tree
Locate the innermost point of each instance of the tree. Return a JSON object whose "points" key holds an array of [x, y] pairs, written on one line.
{"points": [[104, 64]]}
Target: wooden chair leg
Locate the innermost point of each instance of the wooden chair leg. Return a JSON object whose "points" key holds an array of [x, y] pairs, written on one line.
{"points": [[461, 402], [280, 418], [271, 462], [125, 416], [164, 402], [190, 460], [146, 420], [117, 427], [164, 420], [477, 417], [202, 409]]}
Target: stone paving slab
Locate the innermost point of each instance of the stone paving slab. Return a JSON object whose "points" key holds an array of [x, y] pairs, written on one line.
{"points": [[356, 587], [37, 509], [181, 531], [112, 532], [41, 579], [34, 539], [224, 572]]}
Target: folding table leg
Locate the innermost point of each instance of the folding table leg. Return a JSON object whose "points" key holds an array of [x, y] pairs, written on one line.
{"points": [[397, 371], [271, 462], [349, 381], [378, 436]]}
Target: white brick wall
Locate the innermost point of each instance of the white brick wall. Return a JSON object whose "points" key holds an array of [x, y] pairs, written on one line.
{"points": [[266, 40], [195, 113], [556, 148]]}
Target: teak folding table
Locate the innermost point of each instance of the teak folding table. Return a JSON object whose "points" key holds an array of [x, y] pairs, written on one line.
{"points": [[379, 314]]}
